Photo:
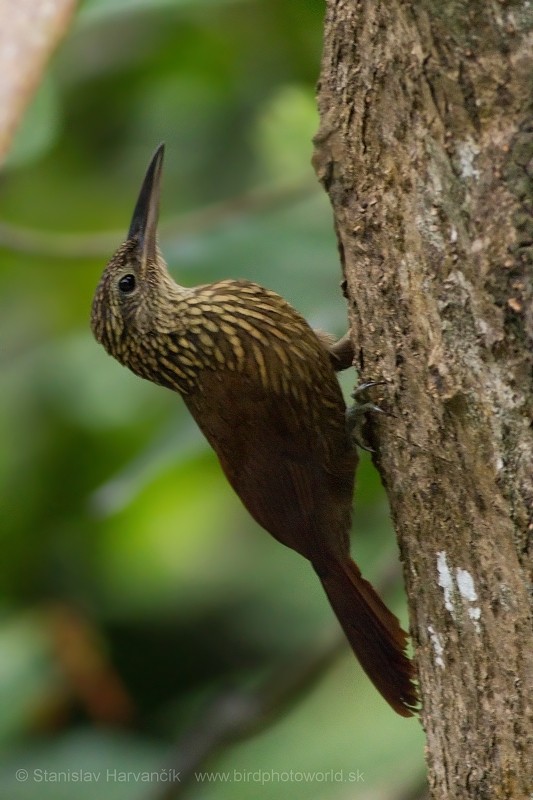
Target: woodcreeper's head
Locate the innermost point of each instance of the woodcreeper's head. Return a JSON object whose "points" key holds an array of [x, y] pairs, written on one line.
{"points": [[129, 294]]}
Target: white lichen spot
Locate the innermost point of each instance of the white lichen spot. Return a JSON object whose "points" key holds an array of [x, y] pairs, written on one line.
{"points": [[467, 151], [453, 234], [437, 646], [467, 590], [465, 584], [445, 581], [475, 615], [483, 328]]}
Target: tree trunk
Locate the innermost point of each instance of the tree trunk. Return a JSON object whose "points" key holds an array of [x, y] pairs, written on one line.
{"points": [[425, 147]]}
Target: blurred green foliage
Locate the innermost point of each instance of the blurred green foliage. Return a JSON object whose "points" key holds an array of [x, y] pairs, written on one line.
{"points": [[111, 504]]}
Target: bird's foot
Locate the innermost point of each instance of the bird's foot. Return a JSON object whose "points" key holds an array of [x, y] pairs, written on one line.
{"points": [[356, 414]]}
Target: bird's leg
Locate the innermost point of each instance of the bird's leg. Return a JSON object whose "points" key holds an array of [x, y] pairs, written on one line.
{"points": [[340, 351], [355, 414]]}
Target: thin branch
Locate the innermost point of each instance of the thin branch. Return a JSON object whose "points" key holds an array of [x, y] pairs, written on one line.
{"points": [[238, 714], [29, 32], [100, 245]]}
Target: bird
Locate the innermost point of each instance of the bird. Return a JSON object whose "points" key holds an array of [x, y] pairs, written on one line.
{"points": [[262, 387]]}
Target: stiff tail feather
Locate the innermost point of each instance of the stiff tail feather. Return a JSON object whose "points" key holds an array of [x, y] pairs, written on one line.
{"points": [[373, 632]]}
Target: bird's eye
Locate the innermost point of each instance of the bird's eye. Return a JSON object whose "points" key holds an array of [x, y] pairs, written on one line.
{"points": [[127, 284]]}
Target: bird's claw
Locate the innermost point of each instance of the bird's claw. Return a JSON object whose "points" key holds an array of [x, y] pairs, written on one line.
{"points": [[356, 413], [362, 388]]}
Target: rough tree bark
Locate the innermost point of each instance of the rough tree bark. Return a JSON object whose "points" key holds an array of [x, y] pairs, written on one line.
{"points": [[425, 147]]}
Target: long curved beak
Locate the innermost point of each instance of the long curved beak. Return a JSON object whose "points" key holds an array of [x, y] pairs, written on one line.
{"points": [[143, 226]]}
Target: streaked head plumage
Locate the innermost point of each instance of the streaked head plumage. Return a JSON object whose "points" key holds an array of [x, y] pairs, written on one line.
{"points": [[131, 282]]}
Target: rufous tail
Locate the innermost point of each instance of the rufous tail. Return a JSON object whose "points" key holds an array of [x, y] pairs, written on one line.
{"points": [[374, 634]]}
